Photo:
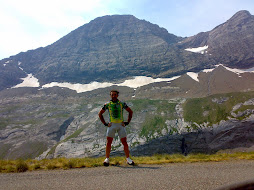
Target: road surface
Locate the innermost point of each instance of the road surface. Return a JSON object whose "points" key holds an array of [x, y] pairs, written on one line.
{"points": [[208, 175]]}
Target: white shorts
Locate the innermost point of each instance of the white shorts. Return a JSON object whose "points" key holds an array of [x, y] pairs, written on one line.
{"points": [[116, 127]]}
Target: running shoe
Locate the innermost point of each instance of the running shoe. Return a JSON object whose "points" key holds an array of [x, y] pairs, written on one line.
{"points": [[106, 162], [130, 161]]}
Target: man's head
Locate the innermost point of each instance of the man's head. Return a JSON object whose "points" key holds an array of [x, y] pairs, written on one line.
{"points": [[114, 94]]}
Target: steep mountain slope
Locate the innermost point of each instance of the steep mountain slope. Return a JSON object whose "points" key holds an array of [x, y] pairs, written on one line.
{"points": [[57, 122], [219, 80], [108, 48], [230, 43], [61, 122], [113, 48]]}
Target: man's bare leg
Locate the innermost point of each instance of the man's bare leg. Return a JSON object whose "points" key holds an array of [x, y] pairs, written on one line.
{"points": [[125, 147], [108, 146], [126, 150]]}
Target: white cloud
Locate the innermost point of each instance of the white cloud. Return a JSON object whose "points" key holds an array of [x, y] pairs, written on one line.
{"points": [[30, 24], [57, 13]]}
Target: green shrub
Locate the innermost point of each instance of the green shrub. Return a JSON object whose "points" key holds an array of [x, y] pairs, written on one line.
{"points": [[21, 166], [69, 164], [37, 166], [10, 169], [51, 166]]}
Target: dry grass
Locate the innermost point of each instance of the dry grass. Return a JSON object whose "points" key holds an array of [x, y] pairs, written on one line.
{"points": [[8, 166]]}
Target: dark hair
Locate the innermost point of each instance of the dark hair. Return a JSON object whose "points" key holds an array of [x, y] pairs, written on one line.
{"points": [[114, 91]]}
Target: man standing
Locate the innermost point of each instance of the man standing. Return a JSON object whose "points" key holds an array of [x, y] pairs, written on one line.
{"points": [[116, 124]]}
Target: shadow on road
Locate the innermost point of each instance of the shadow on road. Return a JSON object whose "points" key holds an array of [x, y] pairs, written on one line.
{"points": [[246, 185], [137, 167]]}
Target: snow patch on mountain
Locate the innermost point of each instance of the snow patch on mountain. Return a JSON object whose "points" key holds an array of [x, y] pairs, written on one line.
{"points": [[198, 49], [136, 82], [239, 71], [79, 88], [249, 70], [193, 76], [143, 80], [207, 70], [29, 81]]}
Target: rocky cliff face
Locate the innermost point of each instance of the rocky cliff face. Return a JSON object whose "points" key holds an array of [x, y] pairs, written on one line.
{"points": [[128, 46], [228, 136], [108, 45], [229, 43], [57, 122]]}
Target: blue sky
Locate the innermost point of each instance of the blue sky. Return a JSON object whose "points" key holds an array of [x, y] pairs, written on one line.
{"points": [[29, 24]]}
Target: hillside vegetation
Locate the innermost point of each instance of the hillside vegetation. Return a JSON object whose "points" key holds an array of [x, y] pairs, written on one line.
{"points": [[11, 166], [53, 125], [213, 109]]}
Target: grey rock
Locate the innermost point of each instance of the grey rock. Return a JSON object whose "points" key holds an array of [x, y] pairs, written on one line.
{"points": [[227, 135], [130, 47]]}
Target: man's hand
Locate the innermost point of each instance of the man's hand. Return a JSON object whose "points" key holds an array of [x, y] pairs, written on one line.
{"points": [[129, 116], [126, 123], [108, 124]]}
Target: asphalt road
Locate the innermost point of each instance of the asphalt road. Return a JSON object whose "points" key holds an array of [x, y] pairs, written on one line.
{"points": [[209, 175]]}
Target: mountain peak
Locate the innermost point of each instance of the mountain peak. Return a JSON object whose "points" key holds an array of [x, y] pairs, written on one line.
{"points": [[229, 43], [113, 17], [241, 14], [241, 17]]}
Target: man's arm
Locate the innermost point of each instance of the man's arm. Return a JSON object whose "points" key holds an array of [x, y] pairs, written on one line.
{"points": [[130, 114], [101, 117]]}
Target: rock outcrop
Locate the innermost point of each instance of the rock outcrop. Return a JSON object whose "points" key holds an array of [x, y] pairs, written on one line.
{"points": [[229, 43], [227, 136], [128, 46]]}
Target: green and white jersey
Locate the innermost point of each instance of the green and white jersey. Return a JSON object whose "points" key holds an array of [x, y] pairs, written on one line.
{"points": [[115, 110]]}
